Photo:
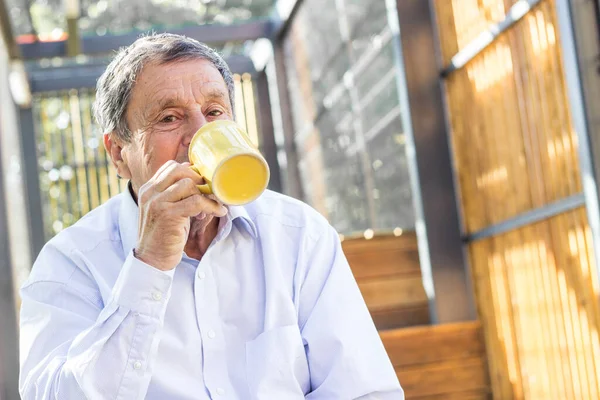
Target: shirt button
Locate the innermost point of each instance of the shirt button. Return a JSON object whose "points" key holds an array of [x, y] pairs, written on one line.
{"points": [[201, 275], [220, 391], [137, 365], [157, 296], [211, 334]]}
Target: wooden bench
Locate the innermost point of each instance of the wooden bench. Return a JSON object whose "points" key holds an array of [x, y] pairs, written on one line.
{"points": [[388, 273], [440, 361]]}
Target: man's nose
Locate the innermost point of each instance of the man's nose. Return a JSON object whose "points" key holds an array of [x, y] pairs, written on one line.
{"points": [[197, 121]]}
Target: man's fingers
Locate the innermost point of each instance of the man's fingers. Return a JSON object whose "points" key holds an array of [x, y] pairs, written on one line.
{"points": [[180, 190], [173, 172], [196, 204]]}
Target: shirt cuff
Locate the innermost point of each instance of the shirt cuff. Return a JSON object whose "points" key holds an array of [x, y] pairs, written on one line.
{"points": [[142, 288]]}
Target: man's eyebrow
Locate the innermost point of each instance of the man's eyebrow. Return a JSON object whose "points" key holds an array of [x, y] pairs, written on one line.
{"points": [[161, 105], [213, 94]]}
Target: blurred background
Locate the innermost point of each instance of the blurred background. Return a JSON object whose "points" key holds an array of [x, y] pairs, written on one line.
{"points": [[452, 143]]}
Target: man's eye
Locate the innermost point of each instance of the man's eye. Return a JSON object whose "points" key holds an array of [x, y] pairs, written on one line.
{"points": [[169, 119], [215, 113]]}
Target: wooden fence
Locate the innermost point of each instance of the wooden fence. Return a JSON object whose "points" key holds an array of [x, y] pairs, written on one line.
{"points": [[515, 150]]}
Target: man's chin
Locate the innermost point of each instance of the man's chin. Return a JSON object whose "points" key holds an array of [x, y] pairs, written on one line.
{"points": [[199, 223], [204, 218]]}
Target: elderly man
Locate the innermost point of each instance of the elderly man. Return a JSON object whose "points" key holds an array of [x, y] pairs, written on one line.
{"points": [[163, 293]]}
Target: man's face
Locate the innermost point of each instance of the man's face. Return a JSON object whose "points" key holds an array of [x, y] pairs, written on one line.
{"points": [[169, 103]]}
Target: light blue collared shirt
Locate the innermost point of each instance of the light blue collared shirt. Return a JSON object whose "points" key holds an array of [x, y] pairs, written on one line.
{"points": [[272, 311]]}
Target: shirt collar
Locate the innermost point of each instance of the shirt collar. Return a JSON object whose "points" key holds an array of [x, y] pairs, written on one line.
{"points": [[240, 214], [129, 220]]}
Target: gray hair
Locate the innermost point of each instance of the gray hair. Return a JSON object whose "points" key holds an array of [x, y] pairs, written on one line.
{"points": [[115, 86]]}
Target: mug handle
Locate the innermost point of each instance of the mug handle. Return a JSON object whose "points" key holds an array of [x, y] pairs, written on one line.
{"points": [[204, 189]]}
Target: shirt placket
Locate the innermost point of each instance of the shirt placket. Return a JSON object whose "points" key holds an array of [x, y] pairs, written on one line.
{"points": [[215, 371]]}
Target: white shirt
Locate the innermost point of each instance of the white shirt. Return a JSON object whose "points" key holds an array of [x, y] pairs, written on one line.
{"points": [[272, 311]]}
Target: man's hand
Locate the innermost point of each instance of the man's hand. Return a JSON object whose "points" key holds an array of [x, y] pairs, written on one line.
{"points": [[166, 203]]}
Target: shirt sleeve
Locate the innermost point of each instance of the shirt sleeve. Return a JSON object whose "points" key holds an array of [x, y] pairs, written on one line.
{"points": [[73, 346], [345, 354]]}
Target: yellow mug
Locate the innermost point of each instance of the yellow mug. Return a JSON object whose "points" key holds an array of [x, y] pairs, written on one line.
{"points": [[233, 168]]}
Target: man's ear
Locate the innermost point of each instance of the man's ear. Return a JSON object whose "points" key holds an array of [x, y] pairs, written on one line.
{"points": [[114, 147]]}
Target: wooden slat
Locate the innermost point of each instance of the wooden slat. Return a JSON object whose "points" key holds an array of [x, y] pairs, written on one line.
{"points": [[393, 292], [442, 378], [381, 263], [493, 293], [439, 360], [383, 256], [388, 273], [406, 241], [468, 395], [433, 344], [401, 317]]}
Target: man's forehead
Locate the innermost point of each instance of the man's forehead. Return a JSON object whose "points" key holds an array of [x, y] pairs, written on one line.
{"points": [[164, 74], [176, 82]]}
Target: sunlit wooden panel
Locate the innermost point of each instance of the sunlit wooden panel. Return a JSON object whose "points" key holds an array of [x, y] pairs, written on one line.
{"points": [[240, 107], [76, 174], [514, 145], [487, 140], [250, 108], [79, 158], [537, 296], [515, 149], [462, 21]]}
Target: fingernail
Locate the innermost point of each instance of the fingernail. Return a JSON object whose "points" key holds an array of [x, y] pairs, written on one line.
{"points": [[223, 210]]}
